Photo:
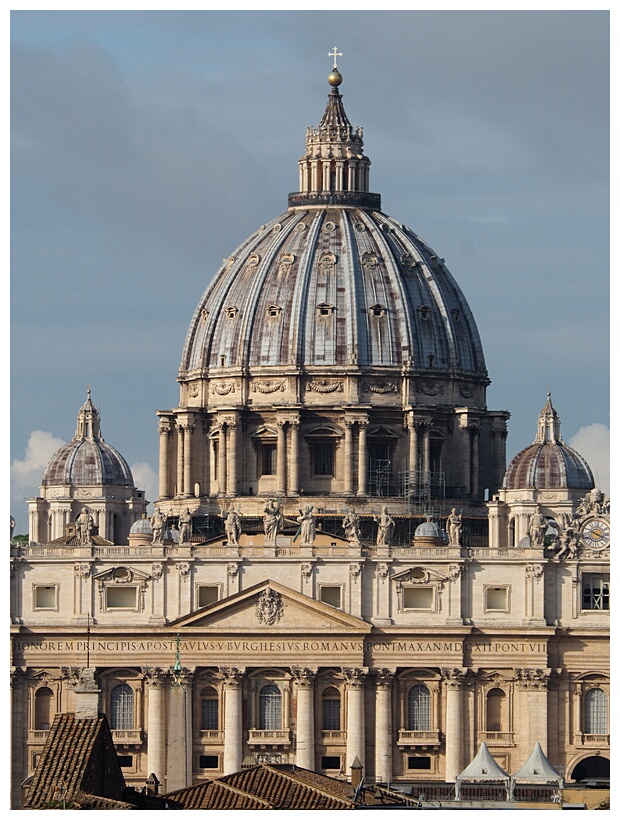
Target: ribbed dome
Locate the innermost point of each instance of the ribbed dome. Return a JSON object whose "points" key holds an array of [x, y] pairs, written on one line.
{"points": [[428, 529], [141, 527], [548, 463], [334, 281], [87, 459]]}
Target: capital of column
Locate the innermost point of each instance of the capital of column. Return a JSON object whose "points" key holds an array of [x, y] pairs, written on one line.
{"points": [[532, 678], [355, 678], [233, 677], [164, 429], [383, 678], [154, 677], [17, 676], [304, 677], [454, 678]]}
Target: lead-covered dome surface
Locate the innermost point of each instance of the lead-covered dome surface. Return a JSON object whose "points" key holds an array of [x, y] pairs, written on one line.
{"points": [[87, 459], [334, 281], [548, 463]]}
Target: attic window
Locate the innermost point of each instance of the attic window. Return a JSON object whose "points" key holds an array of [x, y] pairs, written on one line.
{"points": [[274, 310], [325, 309], [378, 310], [231, 312], [424, 311]]}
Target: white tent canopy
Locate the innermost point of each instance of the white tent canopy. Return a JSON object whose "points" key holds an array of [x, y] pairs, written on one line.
{"points": [[537, 768], [483, 768]]}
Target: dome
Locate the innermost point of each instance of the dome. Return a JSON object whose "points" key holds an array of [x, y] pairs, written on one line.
{"points": [[548, 463], [333, 282], [428, 529], [87, 459], [141, 527]]}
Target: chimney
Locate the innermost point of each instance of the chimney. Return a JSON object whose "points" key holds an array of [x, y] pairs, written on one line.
{"points": [[152, 784], [87, 695], [356, 772]]}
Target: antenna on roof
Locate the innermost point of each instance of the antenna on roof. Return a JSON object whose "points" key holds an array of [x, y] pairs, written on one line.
{"points": [[178, 669], [88, 639]]}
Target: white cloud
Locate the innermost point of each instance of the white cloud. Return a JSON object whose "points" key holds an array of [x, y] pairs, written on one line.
{"points": [[145, 478], [26, 475], [592, 442]]}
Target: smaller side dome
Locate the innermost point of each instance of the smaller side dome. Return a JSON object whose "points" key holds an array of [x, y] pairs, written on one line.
{"points": [[87, 459], [141, 527], [428, 529], [548, 463]]}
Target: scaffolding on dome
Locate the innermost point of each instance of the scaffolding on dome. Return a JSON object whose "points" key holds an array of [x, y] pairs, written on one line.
{"points": [[424, 491]]}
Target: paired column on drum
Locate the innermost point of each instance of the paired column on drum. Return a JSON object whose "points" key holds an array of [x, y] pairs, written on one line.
{"points": [[226, 453], [287, 454], [469, 425], [419, 458], [362, 455]]}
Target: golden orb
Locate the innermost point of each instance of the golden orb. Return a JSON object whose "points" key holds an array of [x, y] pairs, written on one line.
{"points": [[335, 78]]}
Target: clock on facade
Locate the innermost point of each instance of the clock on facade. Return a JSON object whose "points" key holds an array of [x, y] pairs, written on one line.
{"points": [[596, 534]]}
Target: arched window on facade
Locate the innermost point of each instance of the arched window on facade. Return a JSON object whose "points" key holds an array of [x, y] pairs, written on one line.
{"points": [[331, 709], [43, 708], [209, 709], [595, 712], [419, 708], [270, 707], [122, 707], [496, 710]]}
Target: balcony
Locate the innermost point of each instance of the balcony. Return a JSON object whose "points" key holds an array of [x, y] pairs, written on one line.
{"points": [[269, 737], [498, 738], [593, 741], [127, 737], [211, 736], [335, 737], [37, 735], [418, 737]]}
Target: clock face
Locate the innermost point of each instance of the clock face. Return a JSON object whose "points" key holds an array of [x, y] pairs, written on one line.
{"points": [[596, 534]]}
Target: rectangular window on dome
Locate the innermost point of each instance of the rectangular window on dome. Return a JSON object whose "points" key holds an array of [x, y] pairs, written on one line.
{"points": [[121, 597], [268, 459], [594, 591], [323, 458], [46, 597]]}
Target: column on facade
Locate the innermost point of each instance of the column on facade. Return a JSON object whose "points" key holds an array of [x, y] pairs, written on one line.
{"points": [[232, 428], [164, 459], [356, 679], [383, 726], [188, 489], [233, 728], [179, 744], [455, 719], [533, 686], [281, 457], [293, 471], [348, 457], [305, 718], [156, 725], [362, 458], [19, 726]]}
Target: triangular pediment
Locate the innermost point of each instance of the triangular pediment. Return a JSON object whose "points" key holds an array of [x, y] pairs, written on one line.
{"points": [[272, 607]]}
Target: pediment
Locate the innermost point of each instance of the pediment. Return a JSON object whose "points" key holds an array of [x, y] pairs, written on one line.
{"points": [[121, 574], [419, 575], [272, 607]]}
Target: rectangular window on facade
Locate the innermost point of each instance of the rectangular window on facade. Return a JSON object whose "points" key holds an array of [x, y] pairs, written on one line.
{"points": [[331, 596], [125, 761], [419, 763], [208, 594], [209, 717], [330, 762], [496, 599], [46, 597], [323, 458], [121, 597], [595, 591], [268, 459], [418, 597], [209, 762]]}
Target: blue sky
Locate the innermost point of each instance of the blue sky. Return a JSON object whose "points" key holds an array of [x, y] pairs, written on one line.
{"points": [[145, 146]]}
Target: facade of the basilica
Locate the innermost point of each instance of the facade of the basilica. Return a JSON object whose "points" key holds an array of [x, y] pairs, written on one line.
{"points": [[339, 564]]}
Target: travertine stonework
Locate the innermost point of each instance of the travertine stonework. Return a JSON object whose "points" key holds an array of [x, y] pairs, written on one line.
{"points": [[322, 578]]}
